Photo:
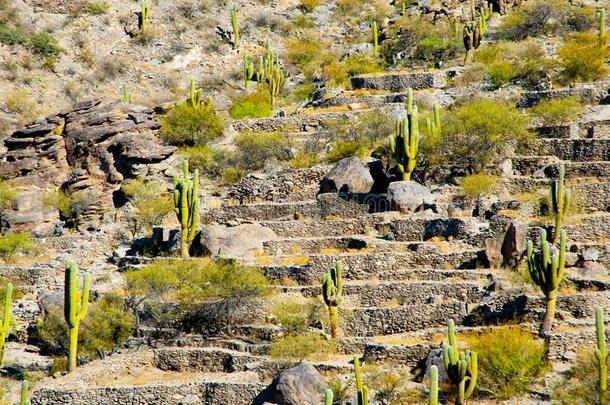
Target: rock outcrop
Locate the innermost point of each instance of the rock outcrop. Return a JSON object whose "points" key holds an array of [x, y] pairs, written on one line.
{"points": [[90, 149]]}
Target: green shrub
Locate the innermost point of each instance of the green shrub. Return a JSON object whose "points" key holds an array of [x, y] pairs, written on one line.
{"points": [[301, 347], [254, 105], [14, 243], [97, 7], [69, 204], [187, 125], [304, 159], [341, 388], [558, 111], [509, 359], [534, 19], [391, 388], [310, 53], [45, 44], [232, 175], [209, 160], [475, 133], [296, 315], [254, 149], [309, 5], [363, 64], [501, 73], [22, 103], [12, 35], [8, 195], [477, 185], [580, 386], [582, 59], [151, 201], [345, 148]]}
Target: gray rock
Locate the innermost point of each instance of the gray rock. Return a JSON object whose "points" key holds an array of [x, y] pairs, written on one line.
{"points": [[409, 196], [349, 175], [590, 268], [435, 358], [591, 254], [569, 355], [233, 242], [300, 385]]}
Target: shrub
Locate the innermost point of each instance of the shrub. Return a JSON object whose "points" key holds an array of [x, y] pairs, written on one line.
{"points": [[14, 243], [232, 175], [501, 73], [477, 185], [534, 19], [558, 111], [12, 35], [582, 59], [391, 388], [187, 125], [69, 204], [45, 44], [254, 105], [509, 359], [341, 388], [151, 201], [476, 133], [580, 386], [22, 103], [345, 148], [254, 149], [310, 53], [301, 347], [8, 195], [207, 159], [304, 159], [97, 8], [309, 5], [296, 315], [363, 64]]}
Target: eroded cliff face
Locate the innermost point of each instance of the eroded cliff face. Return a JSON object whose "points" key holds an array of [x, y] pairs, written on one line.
{"points": [[91, 149]]}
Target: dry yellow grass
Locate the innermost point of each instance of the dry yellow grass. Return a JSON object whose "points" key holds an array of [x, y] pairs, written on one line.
{"points": [[394, 303], [332, 109], [330, 251]]}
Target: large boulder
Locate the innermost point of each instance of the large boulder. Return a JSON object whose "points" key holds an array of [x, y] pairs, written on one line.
{"points": [[508, 247], [349, 175], [409, 196], [233, 242], [300, 385]]}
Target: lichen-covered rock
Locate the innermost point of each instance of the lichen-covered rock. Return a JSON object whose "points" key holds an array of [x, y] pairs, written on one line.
{"points": [[300, 385], [234, 242], [349, 175], [409, 196]]}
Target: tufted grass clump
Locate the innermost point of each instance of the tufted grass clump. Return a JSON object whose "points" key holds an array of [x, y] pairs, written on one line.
{"points": [[309, 5], [254, 105], [45, 44], [558, 111], [97, 7], [12, 244], [477, 185], [509, 360], [299, 347], [188, 125]]}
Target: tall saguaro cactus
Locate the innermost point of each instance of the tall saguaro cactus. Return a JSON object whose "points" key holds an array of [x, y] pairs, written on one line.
{"points": [[461, 366], [433, 396], [248, 72], [5, 323], [405, 142], [546, 271], [186, 206], [235, 25], [332, 292], [363, 391], [328, 397], [602, 14], [601, 353], [24, 393], [375, 39], [144, 13], [75, 308], [560, 201]]}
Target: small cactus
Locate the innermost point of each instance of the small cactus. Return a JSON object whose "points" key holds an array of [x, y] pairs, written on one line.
{"points": [[375, 39], [332, 292], [405, 143], [433, 396], [363, 391], [328, 397], [601, 353], [461, 367], [186, 206], [248, 72], [546, 272], [125, 94], [75, 308], [5, 323], [560, 202], [144, 14], [235, 25], [24, 393], [602, 14]]}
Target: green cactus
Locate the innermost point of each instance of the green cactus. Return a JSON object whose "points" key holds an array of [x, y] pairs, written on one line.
{"points": [[405, 143], [433, 396], [269, 71], [144, 14], [125, 95], [5, 323], [332, 291], [602, 14], [276, 83], [375, 39], [248, 71], [601, 353], [433, 126], [195, 95], [235, 27], [75, 308], [404, 8], [461, 366], [363, 391], [546, 272], [24, 393], [186, 206], [328, 397], [560, 202]]}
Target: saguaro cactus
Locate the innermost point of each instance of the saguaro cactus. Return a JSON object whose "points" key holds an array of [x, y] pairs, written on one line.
{"points": [[248, 72], [235, 27], [433, 396], [602, 14], [328, 397], [461, 366], [125, 95], [375, 39], [363, 391], [24, 393], [546, 272], [6, 319], [601, 353], [186, 206], [332, 292], [75, 308], [144, 13], [405, 143], [560, 201]]}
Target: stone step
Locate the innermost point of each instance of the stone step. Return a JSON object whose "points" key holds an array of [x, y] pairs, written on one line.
{"points": [[589, 149], [406, 292], [402, 81], [364, 266], [548, 166]]}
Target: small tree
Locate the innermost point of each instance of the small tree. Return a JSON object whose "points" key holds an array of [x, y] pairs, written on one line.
{"points": [[151, 201], [476, 186]]}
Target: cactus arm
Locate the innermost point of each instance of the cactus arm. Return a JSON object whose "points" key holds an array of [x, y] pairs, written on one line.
{"points": [[70, 294], [84, 304], [24, 393], [328, 398], [6, 321], [601, 353], [433, 396], [375, 39], [235, 26]]}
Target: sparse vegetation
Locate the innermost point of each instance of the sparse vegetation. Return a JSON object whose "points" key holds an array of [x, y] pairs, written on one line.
{"points": [[12, 244], [254, 105], [255, 149], [151, 201], [558, 111], [300, 347]]}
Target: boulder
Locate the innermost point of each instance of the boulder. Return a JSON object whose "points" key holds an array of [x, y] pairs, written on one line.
{"points": [[349, 175], [590, 268], [233, 242], [435, 358], [300, 385], [409, 196], [508, 247]]}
